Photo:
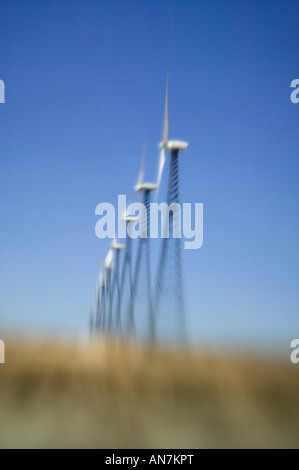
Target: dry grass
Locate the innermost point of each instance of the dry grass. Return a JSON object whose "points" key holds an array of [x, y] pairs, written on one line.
{"points": [[112, 396]]}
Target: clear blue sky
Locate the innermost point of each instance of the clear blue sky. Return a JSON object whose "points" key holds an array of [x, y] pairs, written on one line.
{"points": [[85, 84]]}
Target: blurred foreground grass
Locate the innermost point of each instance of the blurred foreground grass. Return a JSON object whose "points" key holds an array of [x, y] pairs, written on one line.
{"points": [[112, 396]]}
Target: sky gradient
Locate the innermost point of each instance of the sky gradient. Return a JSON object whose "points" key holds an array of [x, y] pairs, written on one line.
{"points": [[85, 86]]}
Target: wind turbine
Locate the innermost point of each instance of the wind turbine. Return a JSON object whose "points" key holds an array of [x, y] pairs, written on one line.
{"points": [[108, 264], [174, 146], [100, 303], [116, 247], [127, 274], [145, 189]]}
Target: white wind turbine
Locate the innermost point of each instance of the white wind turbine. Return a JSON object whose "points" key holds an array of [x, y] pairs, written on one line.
{"points": [[174, 146], [116, 247], [166, 145], [100, 302], [127, 274], [144, 188], [108, 265]]}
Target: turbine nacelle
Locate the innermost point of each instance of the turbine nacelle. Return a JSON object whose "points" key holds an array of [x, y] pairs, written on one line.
{"points": [[174, 145], [145, 187], [129, 218], [116, 246]]}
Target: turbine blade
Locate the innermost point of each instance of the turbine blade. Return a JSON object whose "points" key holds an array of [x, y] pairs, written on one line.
{"points": [[165, 130], [96, 293], [108, 259], [160, 170], [100, 279], [141, 170]]}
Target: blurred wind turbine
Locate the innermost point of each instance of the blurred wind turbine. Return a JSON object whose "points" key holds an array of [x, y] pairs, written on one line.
{"points": [[108, 264], [174, 146], [100, 303], [128, 323], [145, 189], [116, 247]]}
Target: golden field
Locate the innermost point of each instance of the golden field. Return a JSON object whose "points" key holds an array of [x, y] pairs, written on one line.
{"points": [[109, 395]]}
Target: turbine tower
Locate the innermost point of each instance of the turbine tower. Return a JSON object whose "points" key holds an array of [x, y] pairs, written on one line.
{"points": [[145, 188], [108, 264], [174, 146], [127, 273], [91, 322], [100, 304], [116, 319]]}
